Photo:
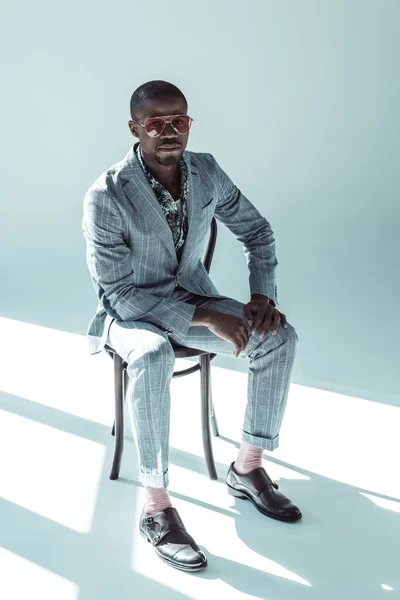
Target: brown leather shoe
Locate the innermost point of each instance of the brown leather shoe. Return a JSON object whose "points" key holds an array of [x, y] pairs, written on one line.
{"points": [[258, 487], [171, 541]]}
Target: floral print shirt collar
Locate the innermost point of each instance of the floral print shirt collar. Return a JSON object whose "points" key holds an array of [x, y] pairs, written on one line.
{"points": [[174, 210]]}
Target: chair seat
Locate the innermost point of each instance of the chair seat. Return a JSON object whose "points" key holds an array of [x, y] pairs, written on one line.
{"points": [[180, 352], [184, 352]]}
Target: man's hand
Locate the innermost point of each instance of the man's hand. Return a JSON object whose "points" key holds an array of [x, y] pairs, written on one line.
{"points": [[260, 313], [229, 328]]}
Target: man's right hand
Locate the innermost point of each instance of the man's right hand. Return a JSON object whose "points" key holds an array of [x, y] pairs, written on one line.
{"points": [[225, 326]]}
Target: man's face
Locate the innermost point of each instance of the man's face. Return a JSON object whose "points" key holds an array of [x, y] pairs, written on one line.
{"points": [[152, 148]]}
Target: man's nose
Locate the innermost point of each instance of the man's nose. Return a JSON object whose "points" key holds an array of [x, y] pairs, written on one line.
{"points": [[169, 131]]}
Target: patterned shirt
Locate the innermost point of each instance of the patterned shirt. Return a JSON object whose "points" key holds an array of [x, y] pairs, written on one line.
{"points": [[174, 210]]}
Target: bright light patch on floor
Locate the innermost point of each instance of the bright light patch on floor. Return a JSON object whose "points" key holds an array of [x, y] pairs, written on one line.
{"points": [[21, 578], [54, 368], [383, 502], [330, 434], [386, 587], [50, 472], [350, 440]]}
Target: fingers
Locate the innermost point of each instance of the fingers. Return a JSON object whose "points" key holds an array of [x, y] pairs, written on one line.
{"points": [[257, 321], [271, 323], [275, 322], [241, 340], [238, 343], [248, 314], [263, 321], [270, 320]]}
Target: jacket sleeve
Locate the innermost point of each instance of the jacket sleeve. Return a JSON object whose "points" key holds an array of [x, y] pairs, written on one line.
{"points": [[109, 260], [253, 231]]}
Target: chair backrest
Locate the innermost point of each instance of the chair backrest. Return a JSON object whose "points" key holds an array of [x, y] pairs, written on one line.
{"points": [[211, 245]]}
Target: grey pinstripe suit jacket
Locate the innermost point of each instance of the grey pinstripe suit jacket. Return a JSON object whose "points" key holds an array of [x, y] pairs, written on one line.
{"points": [[130, 250]]}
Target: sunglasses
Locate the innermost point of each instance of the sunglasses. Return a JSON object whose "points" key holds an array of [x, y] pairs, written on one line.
{"points": [[154, 126]]}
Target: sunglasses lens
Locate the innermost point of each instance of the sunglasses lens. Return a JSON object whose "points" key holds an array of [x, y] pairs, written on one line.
{"points": [[154, 127], [182, 124]]}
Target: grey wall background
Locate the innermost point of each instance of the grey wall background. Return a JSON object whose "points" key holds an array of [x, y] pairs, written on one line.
{"points": [[297, 100]]}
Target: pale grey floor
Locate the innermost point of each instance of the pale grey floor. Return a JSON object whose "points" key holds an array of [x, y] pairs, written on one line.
{"points": [[68, 532]]}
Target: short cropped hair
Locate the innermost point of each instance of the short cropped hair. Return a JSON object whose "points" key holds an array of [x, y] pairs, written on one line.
{"points": [[150, 91]]}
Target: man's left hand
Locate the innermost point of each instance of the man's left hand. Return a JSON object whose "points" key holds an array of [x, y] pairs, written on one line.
{"points": [[260, 313]]}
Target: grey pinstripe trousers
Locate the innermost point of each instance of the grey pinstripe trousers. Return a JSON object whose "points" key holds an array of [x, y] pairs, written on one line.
{"points": [[150, 357]]}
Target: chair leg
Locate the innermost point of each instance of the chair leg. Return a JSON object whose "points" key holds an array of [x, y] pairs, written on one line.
{"points": [[119, 416], [204, 360], [126, 381], [213, 416]]}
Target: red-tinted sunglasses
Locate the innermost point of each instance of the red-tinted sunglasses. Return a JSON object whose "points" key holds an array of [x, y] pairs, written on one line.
{"points": [[154, 126]]}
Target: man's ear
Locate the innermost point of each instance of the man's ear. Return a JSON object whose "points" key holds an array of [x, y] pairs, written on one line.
{"points": [[132, 127]]}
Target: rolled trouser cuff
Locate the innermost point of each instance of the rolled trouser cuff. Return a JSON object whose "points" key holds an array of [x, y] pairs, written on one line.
{"points": [[261, 442], [154, 480]]}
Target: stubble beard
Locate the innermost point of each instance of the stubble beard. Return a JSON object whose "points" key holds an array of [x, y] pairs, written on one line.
{"points": [[168, 160]]}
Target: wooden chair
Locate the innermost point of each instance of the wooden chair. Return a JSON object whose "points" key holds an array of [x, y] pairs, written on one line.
{"points": [[121, 379]]}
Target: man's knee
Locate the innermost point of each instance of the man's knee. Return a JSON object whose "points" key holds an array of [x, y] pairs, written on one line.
{"points": [[290, 332], [284, 335], [151, 349], [142, 342]]}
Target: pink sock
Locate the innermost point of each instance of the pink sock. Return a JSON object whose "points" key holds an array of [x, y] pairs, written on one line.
{"points": [[249, 458], [156, 500]]}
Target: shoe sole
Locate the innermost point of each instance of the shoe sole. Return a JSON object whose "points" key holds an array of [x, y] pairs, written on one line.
{"points": [[170, 562], [243, 496]]}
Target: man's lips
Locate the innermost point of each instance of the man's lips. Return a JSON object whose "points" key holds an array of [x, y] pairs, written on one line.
{"points": [[169, 147]]}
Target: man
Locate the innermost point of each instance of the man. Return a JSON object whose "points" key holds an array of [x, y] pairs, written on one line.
{"points": [[146, 223]]}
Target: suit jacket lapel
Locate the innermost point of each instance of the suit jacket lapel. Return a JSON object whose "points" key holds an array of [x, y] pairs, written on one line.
{"points": [[193, 211], [141, 195]]}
